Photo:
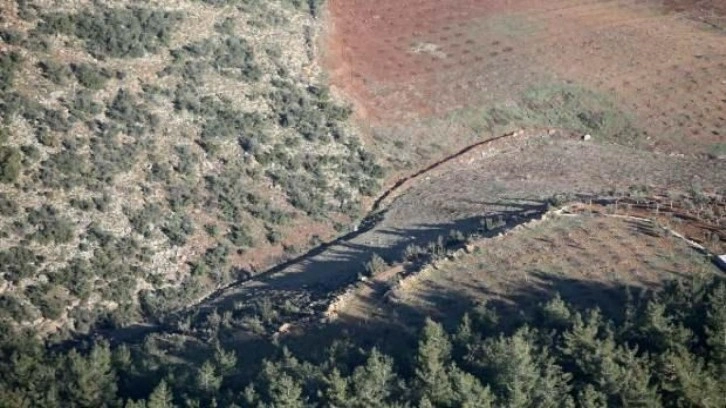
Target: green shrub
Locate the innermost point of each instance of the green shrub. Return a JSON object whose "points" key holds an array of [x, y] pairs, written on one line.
{"points": [[225, 27], [230, 56], [143, 219], [376, 265], [10, 164], [83, 106], [51, 227], [235, 57], [48, 299], [37, 115], [110, 157], [9, 64], [64, 169], [77, 277], [213, 261], [177, 228], [58, 73], [273, 236], [8, 206], [12, 37], [18, 263], [115, 32], [13, 308], [239, 236], [127, 111], [90, 76]]}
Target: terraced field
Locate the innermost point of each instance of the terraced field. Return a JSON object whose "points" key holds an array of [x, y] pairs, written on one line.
{"points": [[575, 257]]}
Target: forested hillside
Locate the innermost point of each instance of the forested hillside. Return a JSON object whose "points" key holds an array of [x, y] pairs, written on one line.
{"points": [[153, 151], [661, 349]]}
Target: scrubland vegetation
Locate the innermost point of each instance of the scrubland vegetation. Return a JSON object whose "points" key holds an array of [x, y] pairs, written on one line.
{"points": [[153, 152]]}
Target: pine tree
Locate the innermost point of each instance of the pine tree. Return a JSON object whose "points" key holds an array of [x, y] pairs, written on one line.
{"points": [[336, 392], [659, 330], [207, 378], [434, 355], [90, 381], [686, 381], [716, 328], [589, 397], [616, 371], [464, 333], [556, 314], [524, 375], [225, 360], [285, 392], [373, 382], [468, 391], [161, 397]]}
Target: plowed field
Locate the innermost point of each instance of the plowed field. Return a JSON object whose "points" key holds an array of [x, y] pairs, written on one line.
{"points": [[664, 63]]}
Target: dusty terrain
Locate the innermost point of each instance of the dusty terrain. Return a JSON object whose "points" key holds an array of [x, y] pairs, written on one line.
{"points": [[663, 64]]}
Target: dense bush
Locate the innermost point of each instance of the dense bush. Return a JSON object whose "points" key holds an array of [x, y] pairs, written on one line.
{"points": [[18, 263], [130, 113], [37, 115], [90, 76], [9, 64], [56, 72], [48, 299], [239, 236], [309, 111], [85, 140], [10, 164], [50, 226], [11, 308], [64, 169], [8, 207], [115, 32], [83, 106], [177, 228]]}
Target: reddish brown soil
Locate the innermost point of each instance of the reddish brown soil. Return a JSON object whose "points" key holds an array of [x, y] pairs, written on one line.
{"points": [[407, 59]]}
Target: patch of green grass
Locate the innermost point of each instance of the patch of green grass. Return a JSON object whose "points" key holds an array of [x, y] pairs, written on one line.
{"points": [[510, 25], [718, 150], [558, 105]]}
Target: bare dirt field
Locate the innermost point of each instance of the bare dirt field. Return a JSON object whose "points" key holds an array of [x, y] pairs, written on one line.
{"points": [[661, 63]]}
